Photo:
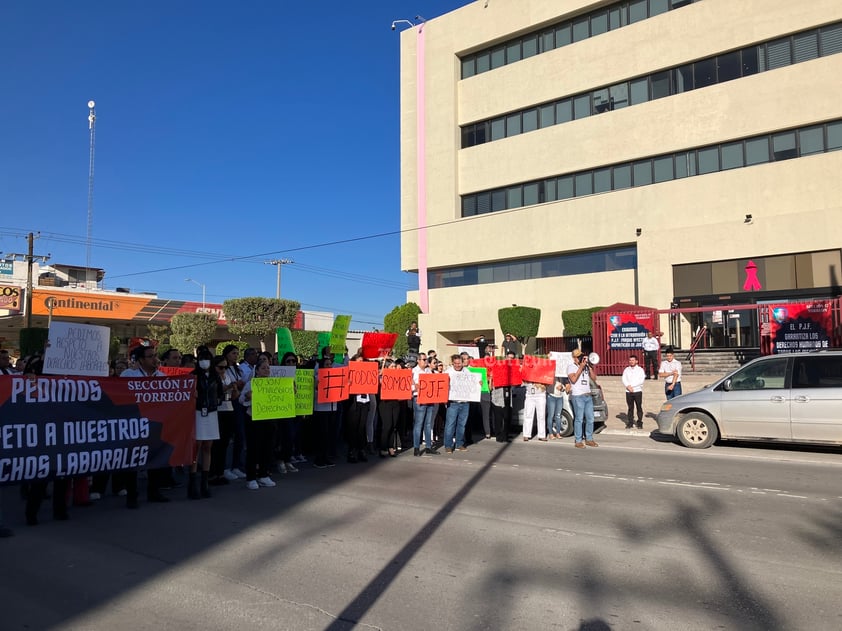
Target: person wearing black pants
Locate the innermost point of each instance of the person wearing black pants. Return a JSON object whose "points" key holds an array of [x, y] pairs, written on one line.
{"points": [[357, 413], [37, 492]]}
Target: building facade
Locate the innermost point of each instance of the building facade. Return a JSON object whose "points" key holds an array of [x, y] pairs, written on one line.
{"points": [[564, 154]]}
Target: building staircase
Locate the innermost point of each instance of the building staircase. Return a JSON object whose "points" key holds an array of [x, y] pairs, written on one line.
{"points": [[716, 362]]}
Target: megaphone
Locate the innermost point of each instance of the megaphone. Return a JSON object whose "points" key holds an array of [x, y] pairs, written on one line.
{"points": [[593, 359]]}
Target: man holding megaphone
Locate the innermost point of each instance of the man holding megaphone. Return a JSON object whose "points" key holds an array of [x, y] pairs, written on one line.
{"points": [[581, 373]]}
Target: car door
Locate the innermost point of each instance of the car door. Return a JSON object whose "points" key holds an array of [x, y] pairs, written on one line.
{"points": [[817, 398], [756, 402]]}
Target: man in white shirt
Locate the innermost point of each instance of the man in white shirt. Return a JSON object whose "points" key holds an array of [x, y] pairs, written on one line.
{"points": [[650, 345], [671, 371], [633, 378], [580, 373], [423, 413]]}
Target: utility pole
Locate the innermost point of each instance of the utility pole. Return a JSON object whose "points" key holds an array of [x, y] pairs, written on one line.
{"points": [[29, 257], [92, 130], [279, 263]]}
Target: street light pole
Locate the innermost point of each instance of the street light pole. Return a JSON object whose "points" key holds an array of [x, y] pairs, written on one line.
{"points": [[29, 257], [278, 263], [202, 285]]}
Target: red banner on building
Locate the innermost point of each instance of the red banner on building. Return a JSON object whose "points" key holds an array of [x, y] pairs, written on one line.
{"points": [[627, 331], [800, 326]]}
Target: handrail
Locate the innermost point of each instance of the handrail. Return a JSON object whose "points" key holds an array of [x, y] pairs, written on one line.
{"points": [[700, 335]]}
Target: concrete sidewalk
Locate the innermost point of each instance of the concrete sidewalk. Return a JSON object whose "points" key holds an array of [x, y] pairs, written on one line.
{"points": [[653, 397]]}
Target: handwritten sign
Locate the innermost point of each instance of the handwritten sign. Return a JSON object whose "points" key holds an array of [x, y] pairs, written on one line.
{"points": [[332, 385], [538, 369], [377, 345], [282, 371], [506, 373], [396, 384], [483, 373], [362, 377], [77, 349], [338, 334], [284, 343], [272, 398], [562, 361], [304, 392], [433, 388], [464, 386]]}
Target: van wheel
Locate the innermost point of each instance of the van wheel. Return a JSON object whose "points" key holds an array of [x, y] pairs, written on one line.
{"points": [[697, 430], [566, 424]]}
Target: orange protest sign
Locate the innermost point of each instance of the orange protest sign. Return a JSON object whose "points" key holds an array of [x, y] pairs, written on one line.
{"points": [[396, 385], [506, 373], [433, 388], [332, 385], [362, 377], [538, 369]]}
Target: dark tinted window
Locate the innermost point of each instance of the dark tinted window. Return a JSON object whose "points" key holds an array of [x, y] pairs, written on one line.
{"points": [[817, 371]]}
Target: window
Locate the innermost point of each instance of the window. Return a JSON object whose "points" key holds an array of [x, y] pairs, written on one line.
{"points": [[834, 136], [622, 176], [498, 129], [642, 173], [660, 85], [580, 29], [637, 11], [468, 136], [805, 46], [498, 57], [513, 124], [600, 101], [602, 180], [546, 115], [480, 133], [811, 140], [483, 63], [708, 160], [530, 46], [513, 52], [779, 53], [468, 67], [584, 184], [617, 17], [817, 372], [564, 111], [483, 203], [657, 7], [685, 164], [498, 201], [619, 95], [582, 106], [530, 120], [704, 73], [757, 151], [550, 190], [663, 169], [783, 146], [683, 78], [766, 375], [830, 39], [469, 206], [639, 89], [565, 187], [547, 41], [514, 197], [530, 194], [599, 23], [563, 35], [729, 66], [732, 155]]}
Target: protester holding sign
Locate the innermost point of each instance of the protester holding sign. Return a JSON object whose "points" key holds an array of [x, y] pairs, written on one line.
{"points": [[209, 394], [324, 416], [389, 412], [461, 394], [424, 412], [285, 438], [358, 410], [259, 437]]}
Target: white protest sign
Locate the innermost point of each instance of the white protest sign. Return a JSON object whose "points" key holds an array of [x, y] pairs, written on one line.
{"points": [[562, 361], [77, 349], [472, 351], [282, 371], [464, 386]]}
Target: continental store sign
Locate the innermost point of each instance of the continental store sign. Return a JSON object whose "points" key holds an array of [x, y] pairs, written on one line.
{"points": [[126, 307]]}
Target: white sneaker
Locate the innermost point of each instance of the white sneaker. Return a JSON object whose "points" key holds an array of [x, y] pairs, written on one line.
{"points": [[252, 485], [122, 492], [229, 475], [267, 481], [291, 468], [240, 475], [282, 468], [95, 496]]}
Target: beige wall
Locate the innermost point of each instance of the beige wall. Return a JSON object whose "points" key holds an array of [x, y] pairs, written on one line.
{"points": [[795, 204]]}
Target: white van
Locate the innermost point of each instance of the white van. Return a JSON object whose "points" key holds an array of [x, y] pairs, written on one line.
{"points": [[788, 398]]}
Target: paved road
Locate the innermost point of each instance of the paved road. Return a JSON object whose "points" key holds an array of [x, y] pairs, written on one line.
{"points": [[636, 534]]}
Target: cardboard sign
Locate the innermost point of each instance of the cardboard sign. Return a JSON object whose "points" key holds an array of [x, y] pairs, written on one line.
{"points": [[464, 386], [272, 398], [332, 385], [396, 384], [304, 382], [77, 349], [363, 377], [433, 388], [562, 361], [282, 371], [538, 369], [378, 345], [483, 373], [338, 334], [283, 343], [506, 373]]}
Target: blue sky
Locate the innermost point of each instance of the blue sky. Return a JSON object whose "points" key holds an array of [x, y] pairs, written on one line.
{"points": [[223, 130]]}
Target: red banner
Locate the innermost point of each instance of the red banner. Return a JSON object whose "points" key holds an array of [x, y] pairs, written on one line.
{"points": [[538, 369], [362, 377], [433, 388], [69, 426], [801, 326], [175, 371], [396, 384], [378, 345], [332, 385], [506, 372]]}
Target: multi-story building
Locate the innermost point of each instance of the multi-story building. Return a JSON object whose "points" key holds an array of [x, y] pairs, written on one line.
{"points": [[566, 154]]}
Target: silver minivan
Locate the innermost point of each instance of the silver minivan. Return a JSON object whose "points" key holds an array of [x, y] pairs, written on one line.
{"points": [[789, 398]]}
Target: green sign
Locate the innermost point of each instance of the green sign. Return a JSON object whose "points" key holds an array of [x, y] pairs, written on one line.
{"points": [[339, 333], [324, 340], [272, 398], [284, 342], [304, 384], [484, 373]]}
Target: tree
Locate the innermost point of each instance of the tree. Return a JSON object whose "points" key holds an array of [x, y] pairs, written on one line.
{"points": [[159, 332], [306, 343], [522, 322], [259, 316], [578, 322], [190, 330], [398, 321]]}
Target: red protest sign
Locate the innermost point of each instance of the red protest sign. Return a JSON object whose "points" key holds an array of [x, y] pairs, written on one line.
{"points": [[433, 388], [506, 373], [332, 385], [362, 377], [396, 385], [377, 345], [538, 369], [484, 362], [174, 371]]}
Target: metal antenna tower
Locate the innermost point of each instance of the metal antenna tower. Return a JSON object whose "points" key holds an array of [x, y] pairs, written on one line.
{"points": [[92, 129]]}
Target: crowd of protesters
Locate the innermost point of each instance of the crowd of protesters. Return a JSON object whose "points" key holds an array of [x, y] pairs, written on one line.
{"points": [[231, 449]]}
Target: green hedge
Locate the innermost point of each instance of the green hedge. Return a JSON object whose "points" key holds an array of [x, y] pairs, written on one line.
{"points": [[398, 321], [578, 322]]}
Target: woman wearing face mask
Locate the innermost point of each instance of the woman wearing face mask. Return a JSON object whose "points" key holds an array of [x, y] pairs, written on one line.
{"points": [[209, 393]]}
